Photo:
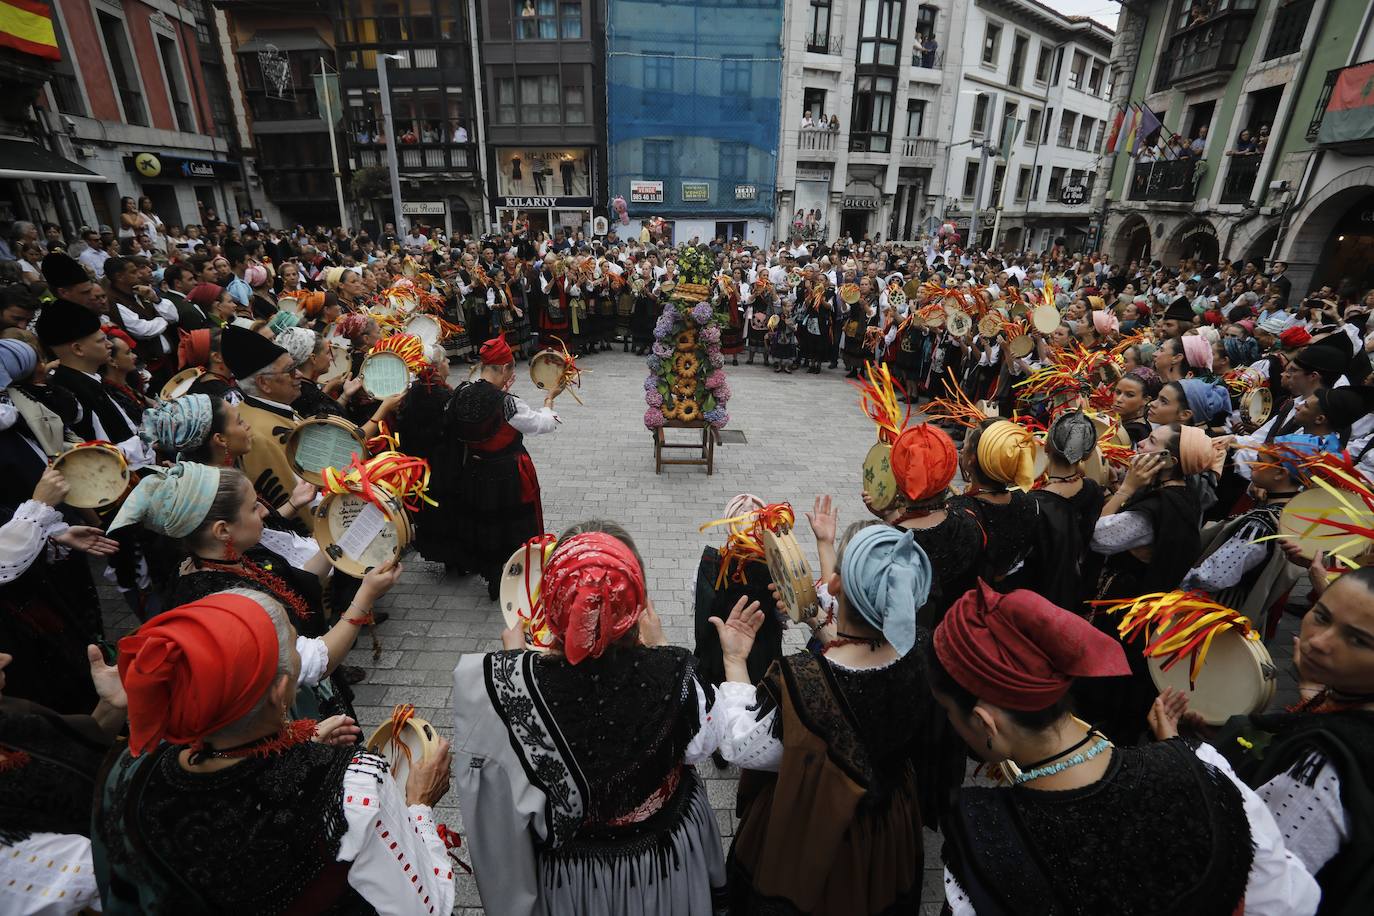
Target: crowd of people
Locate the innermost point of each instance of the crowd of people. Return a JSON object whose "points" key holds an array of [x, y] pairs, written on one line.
{"points": [[1096, 419]]}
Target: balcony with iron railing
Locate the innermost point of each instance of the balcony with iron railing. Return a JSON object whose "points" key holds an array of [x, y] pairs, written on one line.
{"points": [[825, 44], [1171, 181], [921, 152], [1239, 182], [818, 140], [928, 60], [1290, 25], [411, 58], [1207, 51], [421, 157]]}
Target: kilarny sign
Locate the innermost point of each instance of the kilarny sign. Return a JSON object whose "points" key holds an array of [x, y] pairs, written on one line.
{"points": [[532, 202]]}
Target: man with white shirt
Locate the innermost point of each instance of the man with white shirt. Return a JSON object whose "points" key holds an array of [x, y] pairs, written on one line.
{"points": [[144, 315], [414, 242], [95, 255]]}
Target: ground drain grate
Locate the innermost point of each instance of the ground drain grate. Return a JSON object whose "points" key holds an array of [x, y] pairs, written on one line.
{"points": [[733, 437]]}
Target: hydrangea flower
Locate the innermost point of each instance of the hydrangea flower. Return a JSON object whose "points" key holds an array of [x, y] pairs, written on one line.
{"points": [[662, 350], [653, 398], [653, 418], [715, 360], [651, 382], [710, 335], [701, 313], [718, 417], [655, 364], [722, 393], [715, 380], [664, 326]]}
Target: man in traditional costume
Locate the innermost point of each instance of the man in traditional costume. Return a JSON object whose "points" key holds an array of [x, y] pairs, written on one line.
{"points": [[221, 805], [495, 491], [264, 372]]}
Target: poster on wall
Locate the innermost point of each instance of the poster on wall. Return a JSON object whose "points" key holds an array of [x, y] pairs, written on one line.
{"points": [[534, 171]]}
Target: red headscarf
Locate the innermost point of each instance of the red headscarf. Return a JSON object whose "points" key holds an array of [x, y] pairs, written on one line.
{"points": [[1019, 651], [593, 590], [924, 460], [195, 669], [112, 331], [496, 352], [194, 349], [352, 325], [1292, 338], [205, 294]]}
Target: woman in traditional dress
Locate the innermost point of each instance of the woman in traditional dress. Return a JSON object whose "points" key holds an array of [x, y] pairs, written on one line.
{"points": [[727, 294], [122, 369], [607, 818], [998, 461], [218, 520], [420, 429], [1088, 827], [830, 743], [646, 308], [1070, 504], [222, 803], [1134, 392]]}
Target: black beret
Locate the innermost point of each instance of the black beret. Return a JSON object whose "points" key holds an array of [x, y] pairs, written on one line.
{"points": [[61, 322], [61, 270], [246, 352]]}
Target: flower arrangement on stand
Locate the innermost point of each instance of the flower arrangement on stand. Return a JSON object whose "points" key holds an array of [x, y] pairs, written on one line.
{"points": [[686, 382]]}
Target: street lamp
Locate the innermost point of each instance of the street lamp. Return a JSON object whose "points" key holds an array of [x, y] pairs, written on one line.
{"points": [[392, 140], [988, 151]]}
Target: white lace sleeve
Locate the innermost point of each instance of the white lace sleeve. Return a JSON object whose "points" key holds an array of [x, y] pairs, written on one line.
{"points": [[1121, 532], [400, 865], [710, 729], [22, 537], [1313, 821], [47, 874], [747, 739], [1279, 884], [959, 904], [533, 422], [314, 660]]}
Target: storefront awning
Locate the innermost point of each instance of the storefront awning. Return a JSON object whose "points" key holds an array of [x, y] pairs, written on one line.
{"points": [[24, 160]]}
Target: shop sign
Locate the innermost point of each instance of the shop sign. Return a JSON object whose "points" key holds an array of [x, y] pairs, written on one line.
{"points": [[746, 192], [813, 175], [859, 203], [530, 203], [696, 191], [156, 165], [646, 192], [423, 208], [1201, 230], [1073, 194]]}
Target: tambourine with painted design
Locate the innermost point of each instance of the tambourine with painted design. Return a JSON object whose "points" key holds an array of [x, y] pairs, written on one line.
{"points": [[323, 442], [521, 578], [790, 571], [96, 473]]}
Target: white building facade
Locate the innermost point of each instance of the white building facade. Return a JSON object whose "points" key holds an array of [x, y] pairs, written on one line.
{"points": [[873, 172], [1028, 124]]}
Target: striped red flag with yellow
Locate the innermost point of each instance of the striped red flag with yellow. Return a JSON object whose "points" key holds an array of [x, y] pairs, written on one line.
{"points": [[26, 26]]}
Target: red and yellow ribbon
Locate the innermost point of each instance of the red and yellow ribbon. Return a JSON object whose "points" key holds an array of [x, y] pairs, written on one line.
{"points": [[956, 407], [744, 544], [1177, 625], [407, 346], [878, 398], [536, 622], [404, 478], [572, 373]]}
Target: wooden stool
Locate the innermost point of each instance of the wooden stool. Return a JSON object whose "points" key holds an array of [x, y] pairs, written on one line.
{"points": [[706, 447]]}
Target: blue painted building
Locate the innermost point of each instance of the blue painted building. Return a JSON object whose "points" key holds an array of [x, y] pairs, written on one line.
{"points": [[693, 89]]}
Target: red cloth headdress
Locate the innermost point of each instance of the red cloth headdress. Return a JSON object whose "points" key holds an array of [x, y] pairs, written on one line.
{"points": [[593, 590], [1020, 651], [1292, 338], [195, 669], [924, 460], [194, 349], [496, 352], [112, 331]]}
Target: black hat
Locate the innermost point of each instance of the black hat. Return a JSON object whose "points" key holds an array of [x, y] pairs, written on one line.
{"points": [[1323, 359], [61, 270], [1179, 310], [246, 352], [61, 322], [1339, 341], [1343, 406], [1359, 369]]}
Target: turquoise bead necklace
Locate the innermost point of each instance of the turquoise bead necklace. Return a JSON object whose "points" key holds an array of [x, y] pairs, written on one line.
{"points": [[1050, 769]]}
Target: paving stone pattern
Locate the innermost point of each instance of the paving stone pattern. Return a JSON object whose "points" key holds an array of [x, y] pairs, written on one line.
{"points": [[805, 436]]}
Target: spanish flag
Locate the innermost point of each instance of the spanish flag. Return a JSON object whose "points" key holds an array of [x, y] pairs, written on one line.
{"points": [[26, 26]]}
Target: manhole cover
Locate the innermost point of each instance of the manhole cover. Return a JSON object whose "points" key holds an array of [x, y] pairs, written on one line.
{"points": [[733, 437]]}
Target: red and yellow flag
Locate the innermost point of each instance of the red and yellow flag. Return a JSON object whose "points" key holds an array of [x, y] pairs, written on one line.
{"points": [[26, 26]]}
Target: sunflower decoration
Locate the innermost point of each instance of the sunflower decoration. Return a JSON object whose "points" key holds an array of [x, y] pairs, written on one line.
{"points": [[686, 365], [687, 341]]}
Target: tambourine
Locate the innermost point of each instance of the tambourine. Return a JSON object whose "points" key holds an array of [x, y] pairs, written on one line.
{"points": [[323, 442], [1018, 341], [339, 363], [849, 294], [412, 742], [181, 383], [990, 325], [1237, 678], [880, 484], [547, 368], [1256, 405], [425, 327], [97, 475], [791, 573], [1045, 319], [912, 288], [357, 535], [934, 319], [958, 322], [1296, 525], [384, 374], [520, 581]]}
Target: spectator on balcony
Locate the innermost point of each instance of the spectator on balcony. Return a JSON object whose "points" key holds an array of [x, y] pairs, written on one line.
{"points": [[460, 134], [807, 120], [834, 124], [918, 52], [1263, 142], [364, 136], [1198, 148], [409, 137], [428, 134], [1245, 145], [929, 48]]}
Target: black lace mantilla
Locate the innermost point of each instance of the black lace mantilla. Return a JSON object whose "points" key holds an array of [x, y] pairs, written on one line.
{"points": [[52, 791], [477, 410], [1161, 833], [248, 839]]}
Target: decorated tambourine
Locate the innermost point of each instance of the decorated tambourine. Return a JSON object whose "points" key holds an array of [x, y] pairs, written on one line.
{"points": [[546, 370], [912, 288], [520, 581], [384, 374], [1018, 341], [96, 473], [849, 294], [1208, 651], [1045, 319], [1311, 521], [957, 321], [1255, 406], [181, 383], [403, 741], [990, 325], [323, 442], [791, 573], [339, 362], [357, 535], [426, 327], [880, 484]]}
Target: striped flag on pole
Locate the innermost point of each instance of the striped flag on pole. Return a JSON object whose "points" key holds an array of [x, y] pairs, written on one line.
{"points": [[26, 26], [1129, 129], [1116, 130]]}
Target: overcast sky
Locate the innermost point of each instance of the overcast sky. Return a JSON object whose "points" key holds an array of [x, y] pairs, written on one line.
{"points": [[1104, 11]]}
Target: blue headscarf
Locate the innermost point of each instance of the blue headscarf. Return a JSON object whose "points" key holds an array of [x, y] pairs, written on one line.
{"points": [[1241, 351], [180, 424], [1206, 400], [1302, 446], [886, 578], [17, 361], [281, 320], [173, 501]]}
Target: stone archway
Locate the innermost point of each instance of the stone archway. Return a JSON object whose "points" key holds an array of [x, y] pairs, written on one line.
{"points": [[1304, 245], [1132, 240], [1256, 245], [1193, 238]]}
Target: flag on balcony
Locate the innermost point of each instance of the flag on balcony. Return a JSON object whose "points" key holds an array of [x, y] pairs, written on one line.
{"points": [[1116, 131], [1148, 124], [26, 26], [1350, 111], [1128, 129]]}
